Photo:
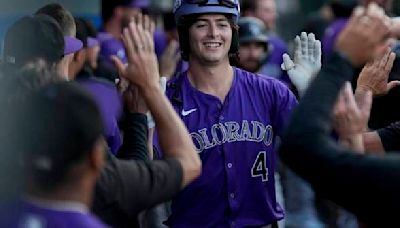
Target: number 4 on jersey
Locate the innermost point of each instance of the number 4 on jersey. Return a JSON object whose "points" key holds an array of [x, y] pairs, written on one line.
{"points": [[260, 166]]}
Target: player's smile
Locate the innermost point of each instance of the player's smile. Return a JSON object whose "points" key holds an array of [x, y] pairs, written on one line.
{"points": [[210, 38]]}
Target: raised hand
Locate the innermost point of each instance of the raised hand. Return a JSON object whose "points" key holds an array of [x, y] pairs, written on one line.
{"points": [[169, 60], [374, 76], [350, 116], [365, 36], [142, 68], [306, 63]]}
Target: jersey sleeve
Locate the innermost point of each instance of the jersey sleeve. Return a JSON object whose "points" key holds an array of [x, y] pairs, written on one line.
{"points": [[390, 137], [285, 102], [125, 188]]}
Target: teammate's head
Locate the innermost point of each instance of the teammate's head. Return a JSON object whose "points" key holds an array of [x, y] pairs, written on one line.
{"points": [[79, 59], [67, 24], [63, 17], [121, 11], [253, 42], [37, 36], [189, 12], [265, 10], [93, 46], [63, 144]]}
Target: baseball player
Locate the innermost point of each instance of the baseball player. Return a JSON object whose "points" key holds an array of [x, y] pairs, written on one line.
{"points": [[233, 117], [254, 47]]}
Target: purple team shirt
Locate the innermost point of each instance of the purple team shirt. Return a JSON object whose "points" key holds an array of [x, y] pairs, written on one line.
{"points": [[235, 141], [109, 103], [331, 34], [25, 214], [272, 66]]}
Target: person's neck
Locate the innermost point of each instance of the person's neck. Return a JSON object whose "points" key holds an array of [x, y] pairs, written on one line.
{"points": [[79, 193], [214, 80], [113, 27]]}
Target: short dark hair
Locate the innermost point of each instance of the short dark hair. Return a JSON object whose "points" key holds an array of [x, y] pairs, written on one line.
{"points": [[248, 5], [16, 86], [31, 37], [63, 17], [81, 30], [108, 7], [61, 127], [183, 30]]}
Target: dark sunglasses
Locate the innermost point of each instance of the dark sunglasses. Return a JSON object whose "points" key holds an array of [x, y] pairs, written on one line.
{"points": [[227, 3]]}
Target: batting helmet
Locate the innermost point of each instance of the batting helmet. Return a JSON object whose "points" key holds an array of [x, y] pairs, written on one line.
{"points": [[189, 7], [185, 10], [252, 30]]}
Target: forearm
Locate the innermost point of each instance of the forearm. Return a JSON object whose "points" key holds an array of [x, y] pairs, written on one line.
{"points": [[173, 136], [372, 143], [134, 146], [354, 142]]}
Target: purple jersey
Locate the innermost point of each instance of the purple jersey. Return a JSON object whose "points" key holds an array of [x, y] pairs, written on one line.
{"points": [[107, 98], [331, 34], [235, 141], [25, 214]]}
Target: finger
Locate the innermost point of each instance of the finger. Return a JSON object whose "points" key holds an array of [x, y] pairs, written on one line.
{"points": [[136, 40], [389, 64], [304, 44], [118, 64], [171, 49], [392, 84], [297, 49], [141, 34], [317, 52], [364, 101], [146, 23], [311, 46], [287, 64], [139, 20], [152, 26], [348, 96], [357, 13], [384, 59], [177, 57], [128, 43]]}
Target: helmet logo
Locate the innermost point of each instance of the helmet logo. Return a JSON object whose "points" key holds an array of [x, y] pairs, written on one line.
{"points": [[177, 4]]}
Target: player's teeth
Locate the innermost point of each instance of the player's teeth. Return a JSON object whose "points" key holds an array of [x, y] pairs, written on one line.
{"points": [[212, 44]]}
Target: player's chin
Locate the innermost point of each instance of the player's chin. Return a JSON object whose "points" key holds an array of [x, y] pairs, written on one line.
{"points": [[249, 66]]}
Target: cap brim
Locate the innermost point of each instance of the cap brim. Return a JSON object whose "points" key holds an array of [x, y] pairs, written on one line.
{"points": [[71, 45], [91, 42]]}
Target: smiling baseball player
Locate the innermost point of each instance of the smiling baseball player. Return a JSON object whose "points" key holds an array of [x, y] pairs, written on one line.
{"points": [[233, 117]]}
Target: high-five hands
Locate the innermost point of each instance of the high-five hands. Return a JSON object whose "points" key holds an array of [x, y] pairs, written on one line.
{"points": [[306, 63], [375, 74], [142, 68]]}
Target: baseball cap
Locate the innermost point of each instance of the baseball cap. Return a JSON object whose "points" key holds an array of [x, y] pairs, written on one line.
{"points": [[37, 36], [61, 125], [142, 4]]}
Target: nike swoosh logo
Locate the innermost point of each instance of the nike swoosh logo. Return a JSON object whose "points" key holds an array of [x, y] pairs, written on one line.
{"points": [[185, 113]]}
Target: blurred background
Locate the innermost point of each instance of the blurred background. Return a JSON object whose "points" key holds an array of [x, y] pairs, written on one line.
{"points": [[293, 15]]}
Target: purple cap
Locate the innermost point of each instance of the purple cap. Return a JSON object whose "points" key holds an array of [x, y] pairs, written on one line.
{"points": [[71, 45], [91, 42], [142, 4]]}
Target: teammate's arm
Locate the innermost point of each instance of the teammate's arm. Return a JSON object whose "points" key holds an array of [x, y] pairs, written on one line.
{"points": [[142, 70]]}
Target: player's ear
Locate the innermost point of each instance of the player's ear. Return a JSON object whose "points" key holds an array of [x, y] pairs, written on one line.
{"points": [[79, 56], [96, 157]]}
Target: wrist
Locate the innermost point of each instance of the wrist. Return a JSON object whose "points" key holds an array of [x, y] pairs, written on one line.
{"points": [[361, 89]]}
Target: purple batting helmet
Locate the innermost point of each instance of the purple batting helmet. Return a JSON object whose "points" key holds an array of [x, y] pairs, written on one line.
{"points": [[188, 7]]}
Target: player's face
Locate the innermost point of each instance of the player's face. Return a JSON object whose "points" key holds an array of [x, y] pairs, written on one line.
{"points": [[210, 39], [266, 11], [250, 55]]}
